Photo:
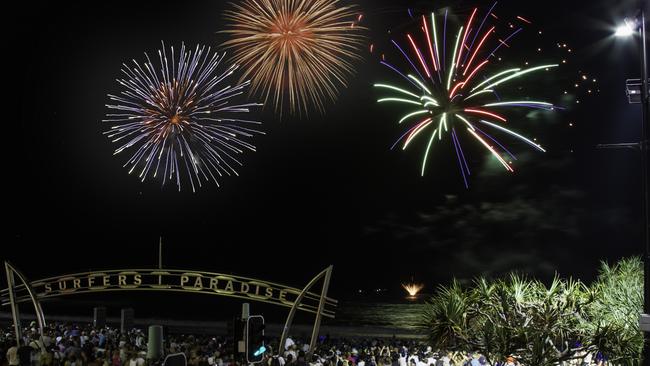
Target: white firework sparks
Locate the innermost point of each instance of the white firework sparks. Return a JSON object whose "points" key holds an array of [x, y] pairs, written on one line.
{"points": [[181, 119]]}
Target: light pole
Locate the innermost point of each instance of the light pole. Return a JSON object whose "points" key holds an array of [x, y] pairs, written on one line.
{"points": [[644, 171], [628, 30], [645, 113]]}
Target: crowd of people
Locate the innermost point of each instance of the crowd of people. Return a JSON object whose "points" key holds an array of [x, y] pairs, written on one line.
{"points": [[74, 345]]}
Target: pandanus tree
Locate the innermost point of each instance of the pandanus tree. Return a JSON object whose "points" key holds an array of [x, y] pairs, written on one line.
{"points": [[541, 324]]}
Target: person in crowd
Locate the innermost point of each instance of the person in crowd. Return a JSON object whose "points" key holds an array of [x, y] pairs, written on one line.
{"points": [[288, 343], [290, 361], [400, 357], [25, 354], [115, 359], [291, 352], [12, 354], [301, 360]]}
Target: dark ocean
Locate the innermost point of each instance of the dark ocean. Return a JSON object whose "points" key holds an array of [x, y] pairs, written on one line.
{"points": [[399, 314]]}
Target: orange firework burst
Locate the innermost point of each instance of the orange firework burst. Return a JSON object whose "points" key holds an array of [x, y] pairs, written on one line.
{"points": [[413, 288], [295, 52]]}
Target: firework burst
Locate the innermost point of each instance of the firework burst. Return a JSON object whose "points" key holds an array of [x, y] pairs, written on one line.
{"points": [[296, 52], [180, 119], [451, 88], [413, 288]]}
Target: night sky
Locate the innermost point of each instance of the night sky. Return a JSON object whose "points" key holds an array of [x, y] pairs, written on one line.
{"points": [[324, 188]]}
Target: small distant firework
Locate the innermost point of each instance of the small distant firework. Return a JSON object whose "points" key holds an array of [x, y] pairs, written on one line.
{"points": [[580, 84], [413, 288], [583, 87], [180, 119], [449, 88], [296, 52]]}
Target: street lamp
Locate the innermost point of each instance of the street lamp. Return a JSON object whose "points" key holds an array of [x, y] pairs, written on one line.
{"points": [[628, 29], [625, 30]]}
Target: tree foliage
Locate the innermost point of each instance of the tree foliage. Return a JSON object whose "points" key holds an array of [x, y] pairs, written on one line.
{"points": [[615, 312], [541, 324]]}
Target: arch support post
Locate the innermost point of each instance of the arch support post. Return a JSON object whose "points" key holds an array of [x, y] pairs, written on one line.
{"points": [[319, 315], [15, 314], [12, 273], [326, 274]]}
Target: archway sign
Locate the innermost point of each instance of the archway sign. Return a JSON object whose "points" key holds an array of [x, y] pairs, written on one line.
{"points": [[170, 280]]}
